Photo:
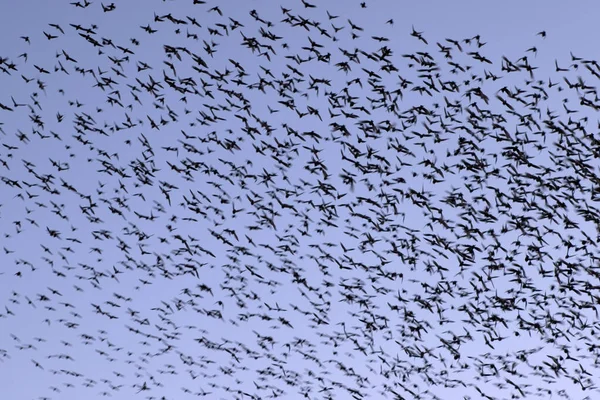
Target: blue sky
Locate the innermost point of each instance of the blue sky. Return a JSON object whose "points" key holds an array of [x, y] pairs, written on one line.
{"points": [[225, 250]]}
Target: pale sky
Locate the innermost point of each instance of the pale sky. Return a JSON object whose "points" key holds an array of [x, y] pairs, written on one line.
{"points": [[177, 218]]}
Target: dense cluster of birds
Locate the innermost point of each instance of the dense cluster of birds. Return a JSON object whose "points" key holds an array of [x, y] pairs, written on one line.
{"points": [[201, 200]]}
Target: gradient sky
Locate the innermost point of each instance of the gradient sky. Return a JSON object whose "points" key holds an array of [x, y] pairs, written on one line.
{"points": [[98, 346]]}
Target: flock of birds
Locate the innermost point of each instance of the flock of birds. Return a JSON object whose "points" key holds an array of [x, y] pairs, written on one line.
{"points": [[283, 204]]}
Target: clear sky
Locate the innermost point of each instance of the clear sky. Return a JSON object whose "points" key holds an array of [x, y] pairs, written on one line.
{"points": [[257, 200]]}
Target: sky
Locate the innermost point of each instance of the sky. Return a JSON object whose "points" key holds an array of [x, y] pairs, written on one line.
{"points": [[219, 235]]}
